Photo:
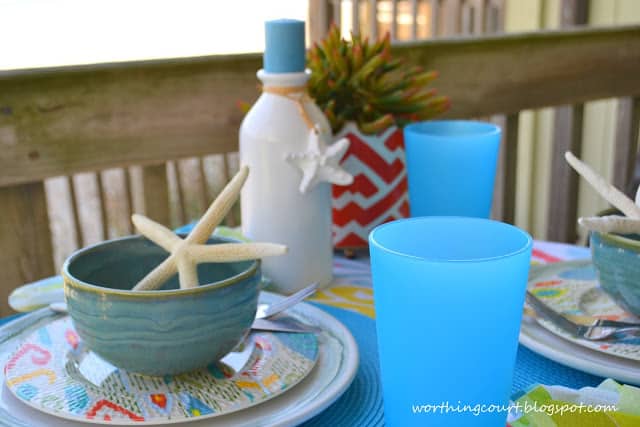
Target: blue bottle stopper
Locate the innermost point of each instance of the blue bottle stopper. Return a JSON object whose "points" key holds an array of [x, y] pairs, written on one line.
{"points": [[285, 46]]}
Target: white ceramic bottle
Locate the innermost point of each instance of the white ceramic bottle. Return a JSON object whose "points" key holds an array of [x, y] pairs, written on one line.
{"points": [[274, 133]]}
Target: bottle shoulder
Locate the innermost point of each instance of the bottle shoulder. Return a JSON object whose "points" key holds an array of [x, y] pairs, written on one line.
{"points": [[277, 115]]}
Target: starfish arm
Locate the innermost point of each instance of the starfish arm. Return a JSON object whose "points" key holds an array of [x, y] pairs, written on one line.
{"points": [[336, 175], [158, 275], [309, 176], [219, 208], [156, 232], [187, 272], [610, 193], [226, 252], [338, 148], [315, 143], [611, 224]]}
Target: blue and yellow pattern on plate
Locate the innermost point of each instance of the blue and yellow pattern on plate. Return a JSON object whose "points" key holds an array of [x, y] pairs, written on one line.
{"points": [[53, 372]]}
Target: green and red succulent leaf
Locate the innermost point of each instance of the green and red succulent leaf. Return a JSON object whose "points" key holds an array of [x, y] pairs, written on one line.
{"points": [[361, 81]]}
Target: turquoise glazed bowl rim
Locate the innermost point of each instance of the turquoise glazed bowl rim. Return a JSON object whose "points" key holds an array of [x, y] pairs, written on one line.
{"points": [[620, 240], [72, 281]]}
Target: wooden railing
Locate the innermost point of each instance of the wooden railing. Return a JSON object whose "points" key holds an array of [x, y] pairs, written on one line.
{"points": [[59, 122], [408, 19]]}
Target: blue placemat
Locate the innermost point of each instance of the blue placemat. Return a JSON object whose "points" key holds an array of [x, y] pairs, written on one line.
{"points": [[531, 368], [361, 404], [8, 319]]}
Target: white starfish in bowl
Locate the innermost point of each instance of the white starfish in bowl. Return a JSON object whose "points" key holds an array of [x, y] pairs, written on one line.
{"points": [[186, 254], [628, 224]]}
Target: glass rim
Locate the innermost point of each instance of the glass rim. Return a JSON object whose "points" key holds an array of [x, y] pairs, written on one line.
{"points": [[528, 244], [416, 128]]}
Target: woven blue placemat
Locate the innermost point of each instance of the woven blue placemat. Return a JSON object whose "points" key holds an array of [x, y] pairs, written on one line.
{"points": [[9, 318], [361, 404]]}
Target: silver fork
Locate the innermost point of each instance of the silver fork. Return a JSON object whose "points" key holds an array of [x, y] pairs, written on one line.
{"points": [[600, 329], [267, 311]]}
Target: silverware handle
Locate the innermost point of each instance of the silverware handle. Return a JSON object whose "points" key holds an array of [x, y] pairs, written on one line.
{"points": [[604, 323]]}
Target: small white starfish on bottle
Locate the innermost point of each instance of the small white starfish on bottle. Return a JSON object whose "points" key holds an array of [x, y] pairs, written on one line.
{"points": [[185, 255], [321, 161]]}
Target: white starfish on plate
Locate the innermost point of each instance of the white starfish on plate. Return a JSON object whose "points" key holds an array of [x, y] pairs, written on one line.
{"points": [[185, 255], [320, 161]]}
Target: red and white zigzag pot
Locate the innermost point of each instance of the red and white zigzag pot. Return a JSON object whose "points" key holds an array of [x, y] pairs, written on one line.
{"points": [[378, 193]]}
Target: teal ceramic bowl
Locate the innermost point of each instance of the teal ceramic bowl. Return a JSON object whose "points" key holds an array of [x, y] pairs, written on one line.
{"points": [[617, 261], [165, 331]]}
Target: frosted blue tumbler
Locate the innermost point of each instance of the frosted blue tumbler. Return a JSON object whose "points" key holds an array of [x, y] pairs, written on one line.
{"points": [[451, 167], [448, 294]]}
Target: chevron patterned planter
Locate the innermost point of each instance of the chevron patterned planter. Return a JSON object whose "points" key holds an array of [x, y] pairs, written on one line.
{"points": [[379, 191]]}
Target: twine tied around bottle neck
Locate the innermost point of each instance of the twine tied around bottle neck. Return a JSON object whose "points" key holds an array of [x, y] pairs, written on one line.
{"points": [[297, 94]]}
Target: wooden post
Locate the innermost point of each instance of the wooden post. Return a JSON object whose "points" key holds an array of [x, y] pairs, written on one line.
{"points": [[567, 136]]}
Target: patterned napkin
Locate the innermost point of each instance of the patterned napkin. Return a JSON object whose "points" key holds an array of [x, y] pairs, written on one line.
{"points": [[609, 404]]}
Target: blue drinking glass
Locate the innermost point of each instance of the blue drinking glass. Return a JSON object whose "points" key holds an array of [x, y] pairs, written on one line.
{"points": [[451, 166], [448, 294]]}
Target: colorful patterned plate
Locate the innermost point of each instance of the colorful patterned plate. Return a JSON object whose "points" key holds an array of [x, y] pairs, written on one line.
{"points": [[572, 288], [335, 369], [52, 372]]}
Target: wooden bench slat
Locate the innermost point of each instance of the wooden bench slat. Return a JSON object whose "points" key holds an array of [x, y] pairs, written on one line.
{"points": [[435, 17], [180, 193], [626, 146], [102, 199], [393, 30], [204, 188], [230, 220], [156, 193], [25, 240], [355, 16], [372, 18], [498, 187], [563, 198], [128, 191], [510, 153], [75, 212]]}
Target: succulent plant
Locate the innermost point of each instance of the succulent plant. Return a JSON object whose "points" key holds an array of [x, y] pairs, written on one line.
{"points": [[358, 81]]}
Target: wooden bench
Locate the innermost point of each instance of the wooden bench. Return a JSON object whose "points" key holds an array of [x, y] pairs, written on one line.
{"points": [[62, 121]]}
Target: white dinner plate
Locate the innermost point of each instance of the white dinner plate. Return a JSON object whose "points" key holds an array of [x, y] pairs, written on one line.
{"points": [[540, 340], [571, 287], [334, 371]]}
